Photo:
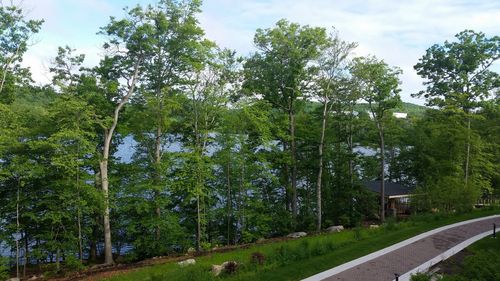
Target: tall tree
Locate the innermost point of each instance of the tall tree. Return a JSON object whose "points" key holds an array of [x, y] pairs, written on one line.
{"points": [[15, 32], [281, 72], [459, 76], [175, 40], [331, 78], [208, 94], [128, 47], [378, 84]]}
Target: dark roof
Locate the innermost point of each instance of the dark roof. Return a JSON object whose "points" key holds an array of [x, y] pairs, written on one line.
{"points": [[391, 188]]}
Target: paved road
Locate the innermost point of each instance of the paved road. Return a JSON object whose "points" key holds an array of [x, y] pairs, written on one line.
{"points": [[412, 255]]}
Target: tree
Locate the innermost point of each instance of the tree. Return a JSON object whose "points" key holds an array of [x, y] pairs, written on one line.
{"points": [[66, 68], [15, 32], [129, 46], [459, 76], [175, 40], [281, 72], [208, 94], [331, 78], [378, 84]]}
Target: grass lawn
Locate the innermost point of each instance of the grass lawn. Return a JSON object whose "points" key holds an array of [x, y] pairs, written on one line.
{"points": [[481, 263], [300, 258]]}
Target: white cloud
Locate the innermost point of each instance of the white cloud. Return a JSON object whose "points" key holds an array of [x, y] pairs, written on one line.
{"points": [[397, 31]]}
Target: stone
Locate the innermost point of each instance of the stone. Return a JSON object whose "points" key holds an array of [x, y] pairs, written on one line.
{"points": [[374, 226], [14, 279], [227, 267], [186, 262], [296, 235], [216, 269], [191, 250], [335, 228]]}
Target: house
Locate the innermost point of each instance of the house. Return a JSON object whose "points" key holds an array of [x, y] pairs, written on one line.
{"points": [[397, 196], [400, 115]]}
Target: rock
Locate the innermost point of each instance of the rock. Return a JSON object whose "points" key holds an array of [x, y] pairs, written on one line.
{"points": [[261, 240], [335, 228], [296, 235], [226, 267], [230, 267], [14, 279], [191, 250], [374, 226], [216, 269], [186, 262], [34, 277]]}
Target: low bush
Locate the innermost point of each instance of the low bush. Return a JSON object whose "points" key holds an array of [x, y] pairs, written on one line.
{"points": [[4, 268], [420, 277]]}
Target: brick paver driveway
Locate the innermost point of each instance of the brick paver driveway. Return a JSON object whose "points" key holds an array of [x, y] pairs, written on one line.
{"points": [[412, 255]]}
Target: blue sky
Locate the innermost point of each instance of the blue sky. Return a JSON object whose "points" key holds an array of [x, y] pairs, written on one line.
{"points": [[397, 31]]}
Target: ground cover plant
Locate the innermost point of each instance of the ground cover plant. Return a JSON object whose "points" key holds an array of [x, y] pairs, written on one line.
{"points": [[296, 259]]}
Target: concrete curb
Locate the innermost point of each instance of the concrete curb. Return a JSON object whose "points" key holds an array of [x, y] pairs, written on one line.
{"points": [[361, 260]]}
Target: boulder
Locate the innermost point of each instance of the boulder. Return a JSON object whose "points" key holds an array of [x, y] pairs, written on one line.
{"points": [[191, 251], [186, 262], [335, 228], [216, 269], [226, 267], [296, 235], [14, 279], [374, 226]]}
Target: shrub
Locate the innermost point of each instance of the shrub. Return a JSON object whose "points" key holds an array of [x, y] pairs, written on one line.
{"points": [[357, 233], [231, 267], [257, 258], [420, 277], [73, 264], [4, 268]]}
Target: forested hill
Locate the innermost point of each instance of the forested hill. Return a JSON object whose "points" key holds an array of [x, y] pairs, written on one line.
{"points": [[412, 109]]}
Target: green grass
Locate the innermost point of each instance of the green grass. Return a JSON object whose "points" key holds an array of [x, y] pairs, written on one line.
{"points": [[483, 265], [297, 259]]}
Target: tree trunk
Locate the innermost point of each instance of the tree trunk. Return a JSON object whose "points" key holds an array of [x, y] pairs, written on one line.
{"points": [[467, 158], [242, 196], [103, 165], [228, 201], [26, 253], [108, 256], [320, 166], [79, 211], [198, 223], [158, 177], [293, 152], [18, 225], [58, 259], [382, 173], [95, 234]]}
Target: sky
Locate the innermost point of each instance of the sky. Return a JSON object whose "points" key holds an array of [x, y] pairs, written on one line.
{"points": [[397, 31]]}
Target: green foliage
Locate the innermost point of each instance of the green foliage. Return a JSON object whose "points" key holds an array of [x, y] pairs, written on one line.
{"points": [[482, 265], [4, 269], [420, 277], [297, 259], [459, 74], [224, 150]]}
